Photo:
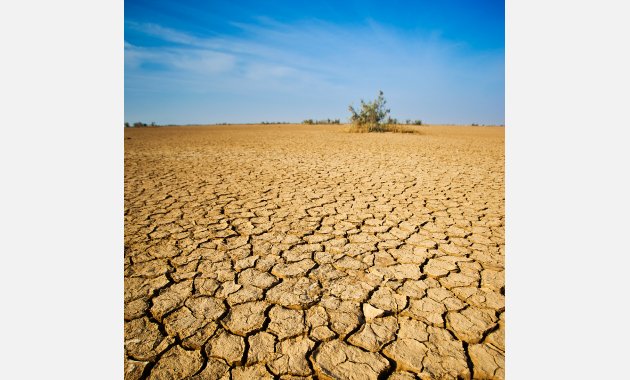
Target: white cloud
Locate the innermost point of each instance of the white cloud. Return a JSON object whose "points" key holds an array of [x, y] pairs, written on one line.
{"points": [[191, 60], [165, 34], [203, 61], [316, 60]]}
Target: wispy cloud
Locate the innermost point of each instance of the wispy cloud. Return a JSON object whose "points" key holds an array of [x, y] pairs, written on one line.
{"points": [[308, 60], [259, 60], [316, 50], [165, 34], [193, 61]]}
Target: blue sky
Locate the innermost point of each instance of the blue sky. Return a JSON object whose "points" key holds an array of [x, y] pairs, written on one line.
{"points": [[251, 61]]}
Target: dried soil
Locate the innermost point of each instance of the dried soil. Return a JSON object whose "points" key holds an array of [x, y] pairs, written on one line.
{"points": [[291, 251]]}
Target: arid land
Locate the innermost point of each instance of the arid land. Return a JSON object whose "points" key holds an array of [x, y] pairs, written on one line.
{"points": [[290, 251]]}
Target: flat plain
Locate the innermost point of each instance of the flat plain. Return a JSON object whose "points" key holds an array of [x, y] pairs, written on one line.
{"points": [[293, 251]]}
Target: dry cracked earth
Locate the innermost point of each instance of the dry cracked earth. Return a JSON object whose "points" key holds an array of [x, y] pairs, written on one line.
{"points": [[255, 252]]}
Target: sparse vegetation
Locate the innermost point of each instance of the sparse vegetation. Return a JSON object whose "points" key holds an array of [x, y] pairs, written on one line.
{"points": [[274, 122], [413, 122], [323, 121], [139, 124], [374, 117]]}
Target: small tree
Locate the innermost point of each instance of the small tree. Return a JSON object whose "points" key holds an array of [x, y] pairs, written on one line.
{"points": [[372, 117]]}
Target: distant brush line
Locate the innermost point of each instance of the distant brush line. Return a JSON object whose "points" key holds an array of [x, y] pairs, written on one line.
{"points": [[323, 121]]}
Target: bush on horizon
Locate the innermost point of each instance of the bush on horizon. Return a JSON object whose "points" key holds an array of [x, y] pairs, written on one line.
{"points": [[374, 117], [323, 121]]}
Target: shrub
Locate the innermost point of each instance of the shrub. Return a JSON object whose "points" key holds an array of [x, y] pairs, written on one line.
{"points": [[374, 117]]}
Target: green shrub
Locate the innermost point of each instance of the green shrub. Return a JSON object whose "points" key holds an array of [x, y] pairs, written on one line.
{"points": [[374, 117]]}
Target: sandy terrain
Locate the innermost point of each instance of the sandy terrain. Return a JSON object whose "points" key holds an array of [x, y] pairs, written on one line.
{"points": [[302, 251]]}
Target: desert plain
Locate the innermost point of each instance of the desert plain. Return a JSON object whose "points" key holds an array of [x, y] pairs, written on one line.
{"points": [[294, 251]]}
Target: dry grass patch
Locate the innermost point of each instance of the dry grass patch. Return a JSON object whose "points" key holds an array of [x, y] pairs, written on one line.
{"points": [[396, 128]]}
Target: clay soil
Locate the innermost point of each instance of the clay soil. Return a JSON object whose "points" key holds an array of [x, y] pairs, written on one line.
{"points": [[291, 251]]}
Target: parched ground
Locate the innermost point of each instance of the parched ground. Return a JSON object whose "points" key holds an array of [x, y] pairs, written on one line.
{"points": [[303, 251]]}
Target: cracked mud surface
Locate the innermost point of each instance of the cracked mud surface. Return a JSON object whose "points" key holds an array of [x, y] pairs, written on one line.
{"points": [[305, 252]]}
